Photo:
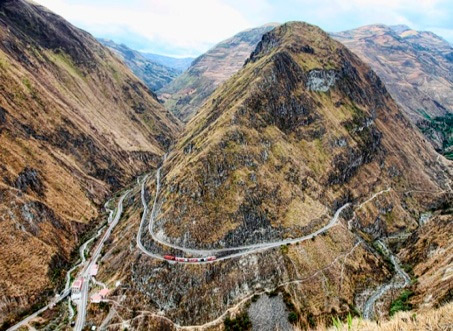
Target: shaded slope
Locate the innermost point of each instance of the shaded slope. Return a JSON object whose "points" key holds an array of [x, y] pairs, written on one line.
{"points": [[153, 74], [75, 124], [187, 93]]}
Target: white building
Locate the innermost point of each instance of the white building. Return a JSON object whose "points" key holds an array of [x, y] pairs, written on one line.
{"points": [[76, 289]]}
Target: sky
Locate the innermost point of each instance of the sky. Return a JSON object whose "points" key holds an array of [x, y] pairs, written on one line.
{"points": [[183, 28]]}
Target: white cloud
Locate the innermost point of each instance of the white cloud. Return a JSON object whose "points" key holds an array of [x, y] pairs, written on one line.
{"points": [[192, 26]]}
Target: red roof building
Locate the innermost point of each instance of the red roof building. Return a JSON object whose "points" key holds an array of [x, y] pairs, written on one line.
{"points": [[96, 298], [77, 285]]}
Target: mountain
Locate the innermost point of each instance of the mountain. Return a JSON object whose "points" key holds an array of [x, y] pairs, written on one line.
{"points": [[187, 93], [179, 64], [417, 69], [295, 173], [152, 73], [75, 125]]}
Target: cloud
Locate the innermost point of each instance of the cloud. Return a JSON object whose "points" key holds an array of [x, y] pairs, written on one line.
{"points": [[188, 26]]}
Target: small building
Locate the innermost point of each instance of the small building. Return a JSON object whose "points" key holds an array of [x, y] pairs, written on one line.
{"points": [[96, 298], [101, 295], [104, 292], [94, 270], [76, 289]]}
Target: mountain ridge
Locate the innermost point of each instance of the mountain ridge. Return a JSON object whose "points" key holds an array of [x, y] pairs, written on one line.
{"points": [[177, 63], [417, 68]]}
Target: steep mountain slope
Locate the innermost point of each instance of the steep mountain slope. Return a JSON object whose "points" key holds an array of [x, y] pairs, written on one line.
{"points": [[153, 74], [417, 69], [187, 93], [305, 135], [180, 64], [75, 124]]}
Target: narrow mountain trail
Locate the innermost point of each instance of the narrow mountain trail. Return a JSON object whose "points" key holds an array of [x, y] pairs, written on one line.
{"points": [[249, 249], [368, 310]]}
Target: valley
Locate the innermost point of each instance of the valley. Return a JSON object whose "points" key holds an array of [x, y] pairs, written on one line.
{"points": [[283, 180]]}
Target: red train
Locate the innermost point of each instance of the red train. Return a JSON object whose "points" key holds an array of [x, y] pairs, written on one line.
{"points": [[191, 259]]}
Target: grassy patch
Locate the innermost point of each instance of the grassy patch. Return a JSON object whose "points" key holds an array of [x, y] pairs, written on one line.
{"points": [[66, 62], [401, 303], [4, 64], [284, 249]]}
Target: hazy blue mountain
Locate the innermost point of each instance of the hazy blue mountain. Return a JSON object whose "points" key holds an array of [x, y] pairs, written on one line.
{"points": [[153, 74], [172, 62]]}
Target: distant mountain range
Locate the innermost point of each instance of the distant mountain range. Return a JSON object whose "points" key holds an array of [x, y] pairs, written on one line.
{"points": [[417, 69], [153, 73], [180, 64], [185, 94]]}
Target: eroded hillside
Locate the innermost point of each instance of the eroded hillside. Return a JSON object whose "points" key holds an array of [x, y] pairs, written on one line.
{"points": [[304, 138], [75, 124]]}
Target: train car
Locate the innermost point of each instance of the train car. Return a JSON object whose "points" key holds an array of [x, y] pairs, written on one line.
{"points": [[169, 257], [211, 258], [181, 259], [194, 259]]}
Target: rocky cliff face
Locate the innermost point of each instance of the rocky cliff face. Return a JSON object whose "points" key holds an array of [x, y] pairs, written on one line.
{"points": [[153, 74], [417, 69], [75, 124], [304, 128], [188, 92]]}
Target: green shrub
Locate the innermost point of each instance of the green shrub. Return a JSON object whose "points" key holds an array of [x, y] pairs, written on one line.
{"points": [[240, 323], [284, 249], [293, 317], [401, 303]]}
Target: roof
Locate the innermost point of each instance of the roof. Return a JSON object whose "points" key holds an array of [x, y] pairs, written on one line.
{"points": [[96, 298], [104, 292], [77, 283], [94, 270]]}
